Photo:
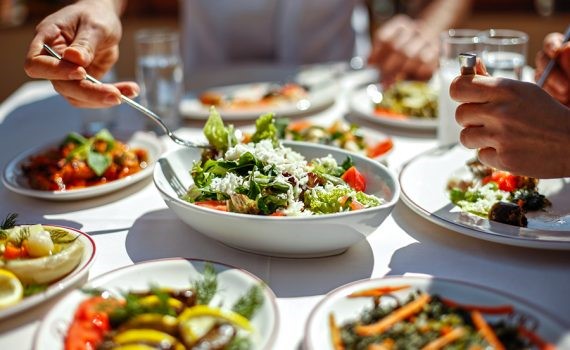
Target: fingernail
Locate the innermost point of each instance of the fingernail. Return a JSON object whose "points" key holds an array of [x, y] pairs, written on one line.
{"points": [[112, 100], [76, 75]]}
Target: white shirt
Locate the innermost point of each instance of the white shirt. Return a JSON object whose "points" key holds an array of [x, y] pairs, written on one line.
{"points": [[220, 32]]}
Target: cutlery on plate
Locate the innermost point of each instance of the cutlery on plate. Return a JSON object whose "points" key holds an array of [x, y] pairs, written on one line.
{"points": [[552, 62], [141, 109]]}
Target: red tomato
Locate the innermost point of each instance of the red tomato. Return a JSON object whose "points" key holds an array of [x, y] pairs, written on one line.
{"points": [[504, 180], [90, 323], [213, 204], [380, 148], [354, 179]]}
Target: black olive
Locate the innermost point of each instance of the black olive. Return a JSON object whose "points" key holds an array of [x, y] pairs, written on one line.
{"points": [[508, 213]]}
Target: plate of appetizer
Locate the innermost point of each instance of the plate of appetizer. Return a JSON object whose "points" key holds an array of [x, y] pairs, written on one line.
{"points": [[449, 187], [276, 197], [79, 167], [169, 304], [248, 101], [406, 104], [38, 262], [404, 312]]}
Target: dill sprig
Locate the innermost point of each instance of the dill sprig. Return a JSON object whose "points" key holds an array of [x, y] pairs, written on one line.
{"points": [[22, 235], [32, 289], [9, 222], [59, 236], [250, 302], [207, 287]]}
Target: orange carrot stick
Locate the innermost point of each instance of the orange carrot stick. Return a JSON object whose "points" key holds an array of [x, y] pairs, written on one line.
{"points": [[396, 316], [445, 340], [335, 334], [376, 292], [486, 331]]}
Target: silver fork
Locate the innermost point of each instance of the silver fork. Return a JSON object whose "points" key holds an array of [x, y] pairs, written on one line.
{"points": [[171, 177], [142, 109]]}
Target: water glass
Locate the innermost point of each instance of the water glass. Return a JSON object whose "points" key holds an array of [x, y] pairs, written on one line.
{"points": [[160, 74], [503, 52], [453, 42]]}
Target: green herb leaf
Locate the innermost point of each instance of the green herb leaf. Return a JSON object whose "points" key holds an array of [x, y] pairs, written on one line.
{"points": [[249, 303], [207, 287], [75, 138], [60, 236], [9, 221], [265, 129], [32, 289], [98, 162]]}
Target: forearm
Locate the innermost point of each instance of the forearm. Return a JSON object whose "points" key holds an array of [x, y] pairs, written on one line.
{"points": [[118, 6], [440, 15]]}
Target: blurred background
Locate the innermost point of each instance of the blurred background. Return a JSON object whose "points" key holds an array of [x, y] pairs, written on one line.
{"points": [[19, 17]]}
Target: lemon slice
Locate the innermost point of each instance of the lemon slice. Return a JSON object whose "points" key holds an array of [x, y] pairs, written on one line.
{"points": [[11, 289]]}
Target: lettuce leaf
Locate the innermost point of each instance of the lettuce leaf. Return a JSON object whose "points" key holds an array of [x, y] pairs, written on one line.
{"points": [[218, 135], [265, 129]]}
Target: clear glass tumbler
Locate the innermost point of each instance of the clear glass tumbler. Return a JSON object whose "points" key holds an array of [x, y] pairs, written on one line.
{"points": [[160, 74], [453, 42], [503, 52]]}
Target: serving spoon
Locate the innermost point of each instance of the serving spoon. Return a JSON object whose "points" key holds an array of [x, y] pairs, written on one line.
{"points": [[141, 109]]}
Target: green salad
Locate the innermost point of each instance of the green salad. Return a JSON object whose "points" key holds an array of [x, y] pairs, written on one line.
{"points": [[263, 177]]}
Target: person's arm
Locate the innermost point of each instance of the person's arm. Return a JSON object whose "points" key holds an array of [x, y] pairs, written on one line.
{"points": [[86, 34], [515, 126], [558, 82], [408, 48]]}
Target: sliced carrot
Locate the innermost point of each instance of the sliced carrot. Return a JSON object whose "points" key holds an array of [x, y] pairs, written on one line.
{"points": [[377, 292], [13, 252], [445, 340], [213, 204], [386, 112], [396, 316], [299, 125], [377, 347], [486, 331], [490, 310], [380, 148], [335, 334]]}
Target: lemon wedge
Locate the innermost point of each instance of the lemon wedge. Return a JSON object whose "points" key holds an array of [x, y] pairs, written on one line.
{"points": [[11, 289]]}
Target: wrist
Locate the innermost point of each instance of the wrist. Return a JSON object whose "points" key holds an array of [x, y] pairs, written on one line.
{"points": [[117, 6]]}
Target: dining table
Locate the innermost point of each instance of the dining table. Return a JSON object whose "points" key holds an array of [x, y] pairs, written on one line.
{"points": [[134, 225]]}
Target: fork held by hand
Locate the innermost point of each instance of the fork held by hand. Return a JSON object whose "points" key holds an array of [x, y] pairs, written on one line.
{"points": [[141, 109]]}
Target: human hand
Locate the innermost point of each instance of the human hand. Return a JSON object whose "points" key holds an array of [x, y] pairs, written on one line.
{"points": [[86, 34], [402, 50], [558, 82], [516, 126]]}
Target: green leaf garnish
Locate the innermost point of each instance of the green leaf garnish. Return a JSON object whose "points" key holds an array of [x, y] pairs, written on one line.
{"points": [[9, 222], [98, 162], [207, 287], [249, 303], [32, 289]]}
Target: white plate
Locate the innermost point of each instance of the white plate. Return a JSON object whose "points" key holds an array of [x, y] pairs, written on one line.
{"points": [[360, 103], [318, 97], [15, 181], [424, 179], [175, 273], [317, 334], [73, 278]]}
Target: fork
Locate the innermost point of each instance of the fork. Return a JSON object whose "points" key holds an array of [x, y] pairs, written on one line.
{"points": [[141, 109], [171, 177], [552, 62]]}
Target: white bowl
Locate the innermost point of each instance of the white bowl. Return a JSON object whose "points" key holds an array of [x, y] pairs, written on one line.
{"points": [[309, 236], [317, 331]]}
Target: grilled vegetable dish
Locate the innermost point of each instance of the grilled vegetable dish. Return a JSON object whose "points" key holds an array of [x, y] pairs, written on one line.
{"points": [[415, 99], [255, 96], [164, 318], [81, 162], [429, 322], [263, 177], [34, 256], [496, 195]]}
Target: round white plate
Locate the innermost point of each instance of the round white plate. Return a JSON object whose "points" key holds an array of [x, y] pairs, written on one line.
{"points": [[424, 179], [175, 273], [65, 283], [317, 334], [318, 97], [360, 103], [15, 181]]}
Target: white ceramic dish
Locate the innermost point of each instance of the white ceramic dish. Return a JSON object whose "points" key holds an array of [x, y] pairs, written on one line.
{"points": [[15, 181], [175, 273], [360, 103], [309, 236], [424, 179], [72, 279], [317, 334], [318, 97]]}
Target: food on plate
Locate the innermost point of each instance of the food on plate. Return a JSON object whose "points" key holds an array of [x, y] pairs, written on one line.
{"points": [[34, 256], [496, 195], [425, 321], [166, 318], [80, 162], [339, 134], [263, 177], [404, 99], [255, 96]]}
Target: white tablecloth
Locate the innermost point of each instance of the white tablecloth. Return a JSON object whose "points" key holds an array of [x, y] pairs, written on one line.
{"points": [[135, 225]]}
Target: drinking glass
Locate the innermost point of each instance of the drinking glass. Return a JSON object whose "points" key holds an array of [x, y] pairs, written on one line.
{"points": [[503, 52], [159, 73], [453, 42]]}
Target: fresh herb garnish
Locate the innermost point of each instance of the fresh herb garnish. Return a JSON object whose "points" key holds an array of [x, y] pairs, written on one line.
{"points": [[59, 236], [97, 159], [32, 289], [239, 343], [250, 302], [9, 222], [207, 287]]}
